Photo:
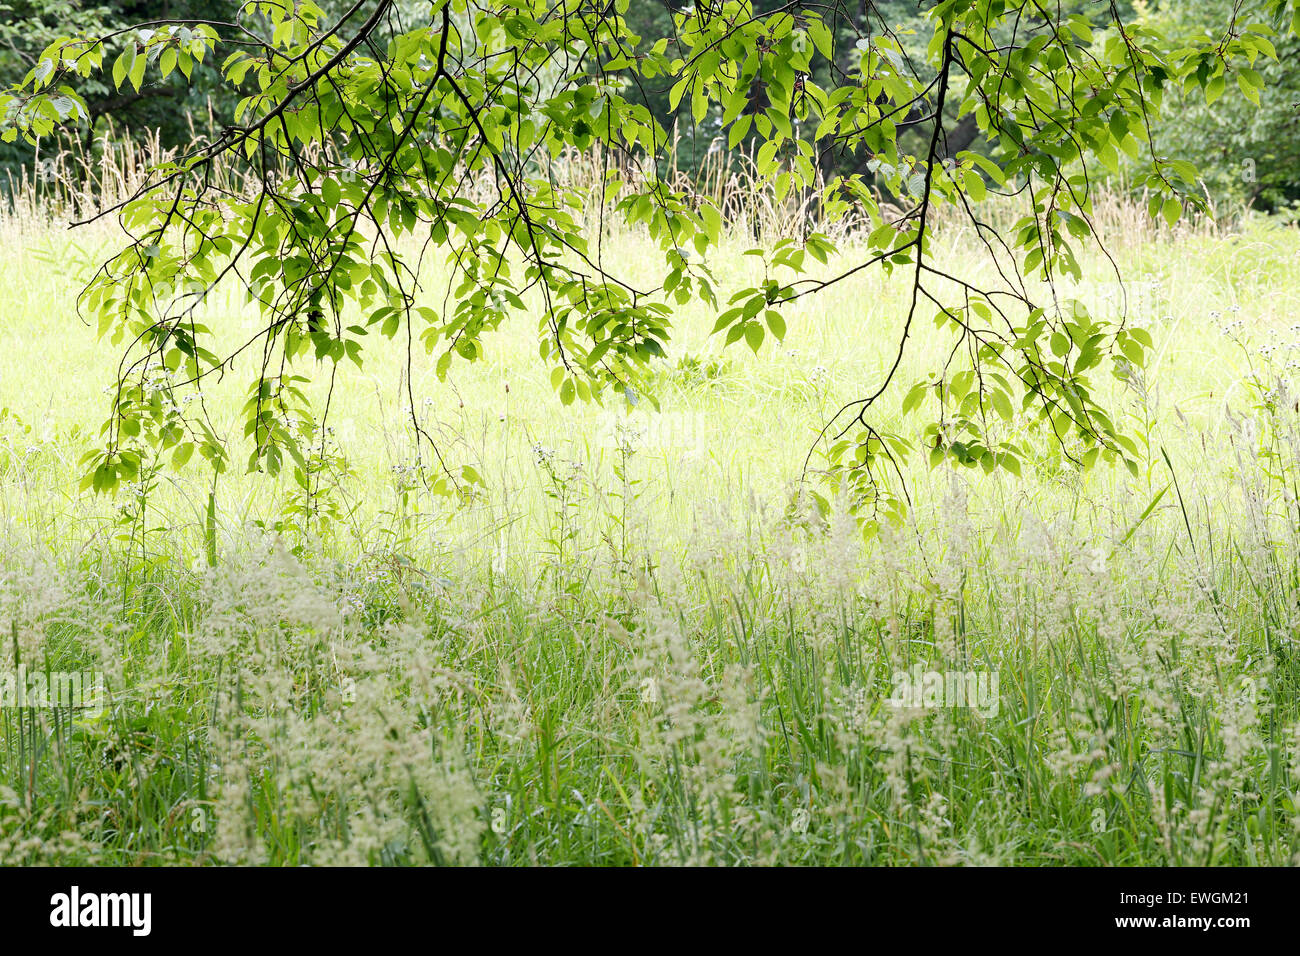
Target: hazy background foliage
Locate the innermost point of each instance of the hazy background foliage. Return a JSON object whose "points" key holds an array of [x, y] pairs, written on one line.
{"points": [[1245, 155]]}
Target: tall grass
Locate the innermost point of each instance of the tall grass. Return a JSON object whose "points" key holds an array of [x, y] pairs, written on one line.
{"points": [[633, 646]]}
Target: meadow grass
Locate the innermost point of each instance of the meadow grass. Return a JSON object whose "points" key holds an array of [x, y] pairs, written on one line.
{"points": [[627, 647]]}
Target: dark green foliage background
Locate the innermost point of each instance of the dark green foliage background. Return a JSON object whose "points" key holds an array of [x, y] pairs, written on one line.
{"points": [[1245, 155]]}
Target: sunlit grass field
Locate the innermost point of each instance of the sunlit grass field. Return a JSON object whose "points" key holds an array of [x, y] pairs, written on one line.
{"points": [[626, 646]]}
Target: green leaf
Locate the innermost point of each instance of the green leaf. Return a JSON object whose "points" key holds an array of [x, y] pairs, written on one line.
{"points": [[1250, 84], [137, 71], [330, 191], [122, 66], [1171, 210], [776, 324], [1214, 89]]}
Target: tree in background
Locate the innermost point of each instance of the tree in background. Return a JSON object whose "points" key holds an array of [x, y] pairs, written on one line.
{"points": [[170, 108], [1245, 152], [1246, 147]]}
